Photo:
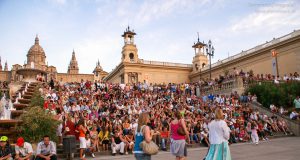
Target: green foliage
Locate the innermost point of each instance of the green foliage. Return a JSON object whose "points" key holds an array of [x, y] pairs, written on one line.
{"points": [[279, 95], [36, 124], [37, 99]]}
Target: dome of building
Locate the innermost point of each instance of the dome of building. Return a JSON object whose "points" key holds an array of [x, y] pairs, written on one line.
{"points": [[36, 48], [36, 54]]}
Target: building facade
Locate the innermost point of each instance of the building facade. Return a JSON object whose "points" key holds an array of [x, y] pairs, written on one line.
{"points": [[282, 52], [36, 68]]}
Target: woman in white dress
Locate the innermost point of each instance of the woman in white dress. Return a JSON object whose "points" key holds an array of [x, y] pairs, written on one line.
{"points": [[219, 134]]}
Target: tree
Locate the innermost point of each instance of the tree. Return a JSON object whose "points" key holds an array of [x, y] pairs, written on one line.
{"points": [[37, 123]]}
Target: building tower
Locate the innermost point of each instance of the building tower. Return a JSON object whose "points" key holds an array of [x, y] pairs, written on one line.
{"points": [[0, 64], [97, 71], [73, 66], [6, 66], [200, 60], [36, 56], [129, 50]]}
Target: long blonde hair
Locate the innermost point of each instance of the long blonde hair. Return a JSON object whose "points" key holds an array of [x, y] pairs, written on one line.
{"points": [[143, 119], [219, 114]]}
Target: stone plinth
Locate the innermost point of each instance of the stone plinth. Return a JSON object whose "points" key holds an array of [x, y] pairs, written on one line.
{"points": [[29, 74]]}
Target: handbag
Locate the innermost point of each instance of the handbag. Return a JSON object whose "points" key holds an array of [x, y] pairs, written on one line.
{"points": [[149, 148], [180, 130]]}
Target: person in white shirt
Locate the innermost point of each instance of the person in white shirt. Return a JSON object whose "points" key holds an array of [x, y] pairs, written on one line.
{"points": [[23, 150], [219, 134]]}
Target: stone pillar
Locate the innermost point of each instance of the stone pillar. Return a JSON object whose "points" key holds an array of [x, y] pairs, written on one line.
{"points": [[238, 85]]}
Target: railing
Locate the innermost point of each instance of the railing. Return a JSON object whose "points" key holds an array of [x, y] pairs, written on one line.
{"points": [[224, 86], [254, 49], [165, 63], [234, 84]]}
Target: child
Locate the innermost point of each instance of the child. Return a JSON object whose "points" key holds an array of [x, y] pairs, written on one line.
{"points": [[164, 138], [254, 134], [243, 136], [89, 146]]}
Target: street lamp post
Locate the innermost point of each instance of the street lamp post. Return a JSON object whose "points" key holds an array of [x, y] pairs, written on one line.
{"points": [[210, 50]]}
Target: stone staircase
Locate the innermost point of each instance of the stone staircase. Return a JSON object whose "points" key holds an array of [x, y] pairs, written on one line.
{"points": [[293, 125], [21, 100]]}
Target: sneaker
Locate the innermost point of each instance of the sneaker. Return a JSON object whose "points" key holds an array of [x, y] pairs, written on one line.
{"points": [[93, 155], [121, 153], [83, 156], [126, 153], [113, 154], [256, 143]]}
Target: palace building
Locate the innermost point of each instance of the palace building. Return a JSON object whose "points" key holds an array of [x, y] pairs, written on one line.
{"points": [[36, 68], [279, 56]]}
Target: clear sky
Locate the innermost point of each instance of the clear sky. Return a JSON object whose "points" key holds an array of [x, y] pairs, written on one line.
{"points": [[166, 29]]}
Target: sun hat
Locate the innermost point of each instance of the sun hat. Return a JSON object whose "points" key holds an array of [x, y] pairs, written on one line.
{"points": [[3, 139]]}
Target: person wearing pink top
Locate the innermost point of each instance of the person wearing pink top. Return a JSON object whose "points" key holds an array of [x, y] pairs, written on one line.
{"points": [[178, 143]]}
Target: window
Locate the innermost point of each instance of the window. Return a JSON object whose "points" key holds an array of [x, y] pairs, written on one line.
{"points": [[203, 65], [131, 56], [196, 67]]}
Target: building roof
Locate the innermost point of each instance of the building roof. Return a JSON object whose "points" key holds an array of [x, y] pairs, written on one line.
{"points": [[128, 32], [36, 48]]}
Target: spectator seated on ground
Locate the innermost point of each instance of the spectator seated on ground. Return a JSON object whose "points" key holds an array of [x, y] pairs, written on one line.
{"points": [[273, 108], [294, 115], [89, 146], [6, 152], [46, 150], [117, 142], [23, 150]]}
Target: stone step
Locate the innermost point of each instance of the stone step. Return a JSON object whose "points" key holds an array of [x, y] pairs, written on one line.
{"points": [[27, 96], [10, 122], [24, 101], [29, 93], [16, 113], [20, 106]]}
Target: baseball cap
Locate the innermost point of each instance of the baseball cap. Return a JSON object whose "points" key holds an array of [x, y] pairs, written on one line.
{"points": [[3, 139], [20, 141]]}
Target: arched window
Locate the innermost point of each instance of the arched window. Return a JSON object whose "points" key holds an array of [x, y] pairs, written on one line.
{"points": [[196, 67], [203, 65], [131, 56]]}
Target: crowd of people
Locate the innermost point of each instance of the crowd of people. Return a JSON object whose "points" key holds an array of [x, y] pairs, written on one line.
{"points": [[117, 117], [104, 116], [3, 85]]}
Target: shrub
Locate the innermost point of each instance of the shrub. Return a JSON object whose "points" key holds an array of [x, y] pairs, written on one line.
{"points": [[36, 124], [37, 99], [279, 95]]}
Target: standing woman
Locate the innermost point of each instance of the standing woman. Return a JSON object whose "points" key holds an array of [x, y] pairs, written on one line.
{"points": [[178, 143], [219, 134], [82, 131], [142, 133]]}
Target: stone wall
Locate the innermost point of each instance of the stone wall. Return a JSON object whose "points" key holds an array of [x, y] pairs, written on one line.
{"points": [[74, 77], [293, 125], [260, 60], [150, 73], [5, 75]]}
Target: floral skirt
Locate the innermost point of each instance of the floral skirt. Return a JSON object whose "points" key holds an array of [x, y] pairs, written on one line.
{"points": [[218, 152]]}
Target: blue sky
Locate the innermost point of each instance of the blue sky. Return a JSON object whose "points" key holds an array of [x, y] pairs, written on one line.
{"points": [[166, 29]]}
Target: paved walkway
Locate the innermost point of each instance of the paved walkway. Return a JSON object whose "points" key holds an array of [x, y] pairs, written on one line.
{"points": [[276, 149]]}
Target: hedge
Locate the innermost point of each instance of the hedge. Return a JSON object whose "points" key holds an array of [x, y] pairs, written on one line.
{"points": [[278, 94]]}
